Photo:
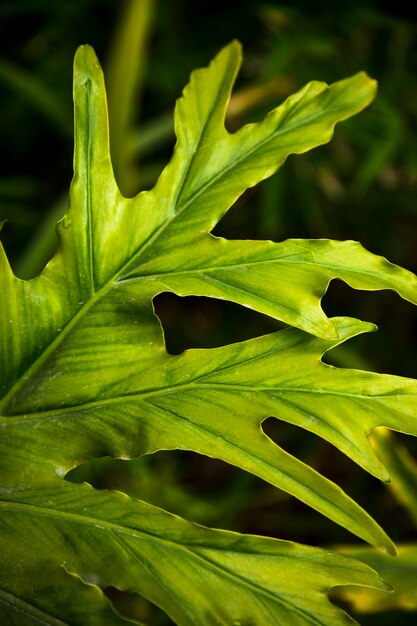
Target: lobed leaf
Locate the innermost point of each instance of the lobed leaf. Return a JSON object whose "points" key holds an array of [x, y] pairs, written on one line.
{"points": [[85, 373], [197, 575]]}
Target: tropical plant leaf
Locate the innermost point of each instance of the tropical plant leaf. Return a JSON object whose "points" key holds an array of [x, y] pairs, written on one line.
{"points": [[85, 373], [199, 576], [400, 573]]}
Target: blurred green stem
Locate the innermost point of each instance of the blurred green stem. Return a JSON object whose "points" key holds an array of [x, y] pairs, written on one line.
{"points": [[125, 73]]}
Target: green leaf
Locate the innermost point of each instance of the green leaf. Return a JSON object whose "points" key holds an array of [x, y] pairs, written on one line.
{"points": [[56, 598], [198, 575], [400, 573], [85, 373]]}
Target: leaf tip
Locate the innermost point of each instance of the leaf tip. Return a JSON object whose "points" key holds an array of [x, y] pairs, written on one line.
{"points": [[85, 51], [364, 88], [384, 543], [372, 82], [384, 586], [236, 47], [86, 64], [230, 55], [348, 327], [389, 548]]}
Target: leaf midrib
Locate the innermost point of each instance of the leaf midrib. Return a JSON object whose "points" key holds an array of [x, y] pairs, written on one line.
{"points": [[56, 413], [96, 295], [278, 598], [83, 310], [89, 191], [220, 174], [289, 259], [249, 153]]}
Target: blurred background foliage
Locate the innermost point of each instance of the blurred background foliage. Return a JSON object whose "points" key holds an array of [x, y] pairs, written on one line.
{"points": [[362, 186]]}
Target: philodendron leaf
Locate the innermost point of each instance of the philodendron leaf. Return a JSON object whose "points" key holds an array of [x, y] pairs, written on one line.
{"points": [[400, 573], [200, 576], [85, 374]]}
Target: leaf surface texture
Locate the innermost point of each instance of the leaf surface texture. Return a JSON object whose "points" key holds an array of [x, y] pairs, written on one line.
{"points": [[85, 373]]}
